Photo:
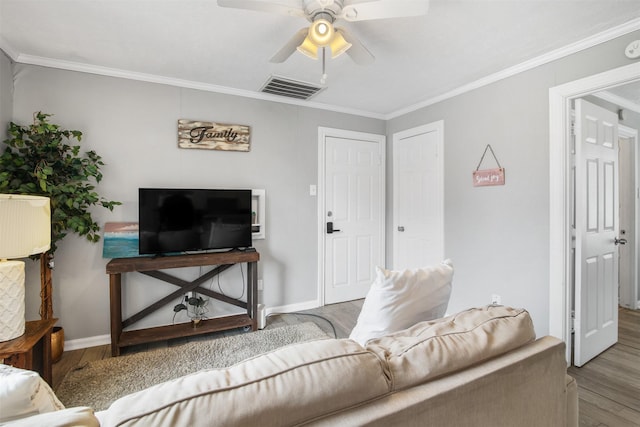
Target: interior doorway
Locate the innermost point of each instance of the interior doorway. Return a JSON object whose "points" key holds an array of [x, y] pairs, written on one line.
{"points": [[629, 216], [596, 225], [418, 196], [622, 291], [561, 252], [351, 213]]}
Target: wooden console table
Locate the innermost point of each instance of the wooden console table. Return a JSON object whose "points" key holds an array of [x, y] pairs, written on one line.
{"points": [[32, 350], [151, 266]]}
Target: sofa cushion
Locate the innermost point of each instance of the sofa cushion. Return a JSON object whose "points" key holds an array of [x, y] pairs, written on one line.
{"points": [[400, 299], [438, 347], [288, 386], [24, 393]]}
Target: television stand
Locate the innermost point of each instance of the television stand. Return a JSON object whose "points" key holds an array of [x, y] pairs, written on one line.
{"points": [[151, 267]]}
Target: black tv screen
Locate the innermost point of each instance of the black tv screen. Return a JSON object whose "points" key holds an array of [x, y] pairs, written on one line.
{"points": [[184, 220]]}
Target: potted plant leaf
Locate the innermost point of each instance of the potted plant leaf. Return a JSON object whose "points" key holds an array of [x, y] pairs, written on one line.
{"points": [[42, 159], [196, 308]]}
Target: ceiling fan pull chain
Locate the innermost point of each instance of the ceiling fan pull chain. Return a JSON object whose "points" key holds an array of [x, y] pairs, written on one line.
{"points": [[323, 79]]}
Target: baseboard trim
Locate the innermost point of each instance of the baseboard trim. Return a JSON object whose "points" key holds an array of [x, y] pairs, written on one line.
{"points": [[98, 340], [81, 343], [291, 308]]}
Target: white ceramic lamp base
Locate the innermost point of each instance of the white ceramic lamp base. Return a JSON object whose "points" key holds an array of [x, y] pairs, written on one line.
{"points": [[11, 299]]}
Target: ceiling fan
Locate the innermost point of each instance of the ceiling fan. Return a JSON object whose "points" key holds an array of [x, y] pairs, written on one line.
{"points": [[322, 14]]}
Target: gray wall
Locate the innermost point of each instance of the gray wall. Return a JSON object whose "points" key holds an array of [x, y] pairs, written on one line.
{"points": [[498, 237], [133, 126], [6, 94]]}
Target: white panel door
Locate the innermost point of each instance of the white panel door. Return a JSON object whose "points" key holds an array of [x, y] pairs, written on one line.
{"points": [[418, 218], [597, 226], [354, 208]]}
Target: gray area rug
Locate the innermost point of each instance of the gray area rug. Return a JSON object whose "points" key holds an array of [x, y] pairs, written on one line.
{"points": [[97, 384]]}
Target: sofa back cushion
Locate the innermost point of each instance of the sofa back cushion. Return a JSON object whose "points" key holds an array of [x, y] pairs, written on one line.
{"points": [[288, 386], [434, 348]]}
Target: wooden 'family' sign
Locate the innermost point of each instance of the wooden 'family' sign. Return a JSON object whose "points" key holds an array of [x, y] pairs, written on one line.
{"points": [[213, 136]]}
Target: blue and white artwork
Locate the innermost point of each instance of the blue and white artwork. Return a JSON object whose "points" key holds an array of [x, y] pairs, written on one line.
{"points": [[120, 240]]}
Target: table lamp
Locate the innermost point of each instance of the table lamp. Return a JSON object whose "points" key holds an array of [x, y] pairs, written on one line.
{"points": [[25, 229]]}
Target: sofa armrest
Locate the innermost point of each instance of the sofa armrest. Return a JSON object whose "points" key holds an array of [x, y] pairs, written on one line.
{"points": [[71, 417], [572, 401]]}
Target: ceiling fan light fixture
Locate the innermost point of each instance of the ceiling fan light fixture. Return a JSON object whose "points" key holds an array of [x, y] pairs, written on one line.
{"points": [[308, 48], [338, 45], [321, 32]]}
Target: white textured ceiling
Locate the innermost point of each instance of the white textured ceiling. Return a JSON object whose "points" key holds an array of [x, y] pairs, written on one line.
{"points": [[417, 59]]}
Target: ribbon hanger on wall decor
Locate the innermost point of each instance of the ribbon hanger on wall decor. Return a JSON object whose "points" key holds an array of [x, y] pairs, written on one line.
{"points": [[488, 177]]}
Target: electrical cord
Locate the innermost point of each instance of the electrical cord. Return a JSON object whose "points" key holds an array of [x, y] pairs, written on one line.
{"points": [[335, 334], [243, 284]]}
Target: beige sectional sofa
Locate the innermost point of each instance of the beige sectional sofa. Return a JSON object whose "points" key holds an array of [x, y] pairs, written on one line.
{"points": [[480, 367]]}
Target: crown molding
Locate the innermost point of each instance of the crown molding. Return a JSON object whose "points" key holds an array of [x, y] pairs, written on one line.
{"points": [[570, 49], [7, 49], [170, 81], [554, 55], [618, 100]]}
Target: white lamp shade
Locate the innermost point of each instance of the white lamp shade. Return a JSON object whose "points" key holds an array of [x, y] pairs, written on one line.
{"points": [[25, 225]]}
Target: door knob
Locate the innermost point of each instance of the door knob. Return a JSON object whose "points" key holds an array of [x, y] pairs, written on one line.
{"points": [[400, 228], [620, 241], [330, 229]]}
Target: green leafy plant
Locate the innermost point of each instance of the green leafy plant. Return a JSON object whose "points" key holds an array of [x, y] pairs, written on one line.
{"points": [[196, 307], [41, 159]]}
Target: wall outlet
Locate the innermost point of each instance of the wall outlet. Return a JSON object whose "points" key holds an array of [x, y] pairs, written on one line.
{"points": [[496, 299], [260, 285]]}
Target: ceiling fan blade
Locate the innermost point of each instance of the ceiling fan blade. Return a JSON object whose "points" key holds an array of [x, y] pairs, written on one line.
{"points": [[285, 52], [282, 7], [357, 51], [384, 9]]}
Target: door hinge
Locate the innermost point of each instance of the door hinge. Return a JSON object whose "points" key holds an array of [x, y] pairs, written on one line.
{"points": [[573, 321]]}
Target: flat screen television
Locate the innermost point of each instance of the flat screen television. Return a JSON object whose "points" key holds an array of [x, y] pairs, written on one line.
{"points": [[174, 220]]}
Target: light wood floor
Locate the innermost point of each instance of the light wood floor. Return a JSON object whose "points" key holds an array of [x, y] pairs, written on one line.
{"points": [[609, 385]]}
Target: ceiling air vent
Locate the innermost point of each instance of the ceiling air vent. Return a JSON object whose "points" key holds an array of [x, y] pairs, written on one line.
{"points": [[290, 88]]}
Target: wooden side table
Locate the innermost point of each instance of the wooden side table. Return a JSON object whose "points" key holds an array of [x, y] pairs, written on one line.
{"points": [[32, 350]]}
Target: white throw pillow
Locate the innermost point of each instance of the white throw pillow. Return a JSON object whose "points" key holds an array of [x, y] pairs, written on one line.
{"points": [[24, 393], [400, 299]]}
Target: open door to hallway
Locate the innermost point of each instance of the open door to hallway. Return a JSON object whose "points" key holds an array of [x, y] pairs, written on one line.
{"points": [[596, 216]]}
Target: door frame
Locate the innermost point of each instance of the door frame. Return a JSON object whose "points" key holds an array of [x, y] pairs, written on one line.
{"points": [[438, 127], [323, 133], [631, 133], [560, 243]]}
